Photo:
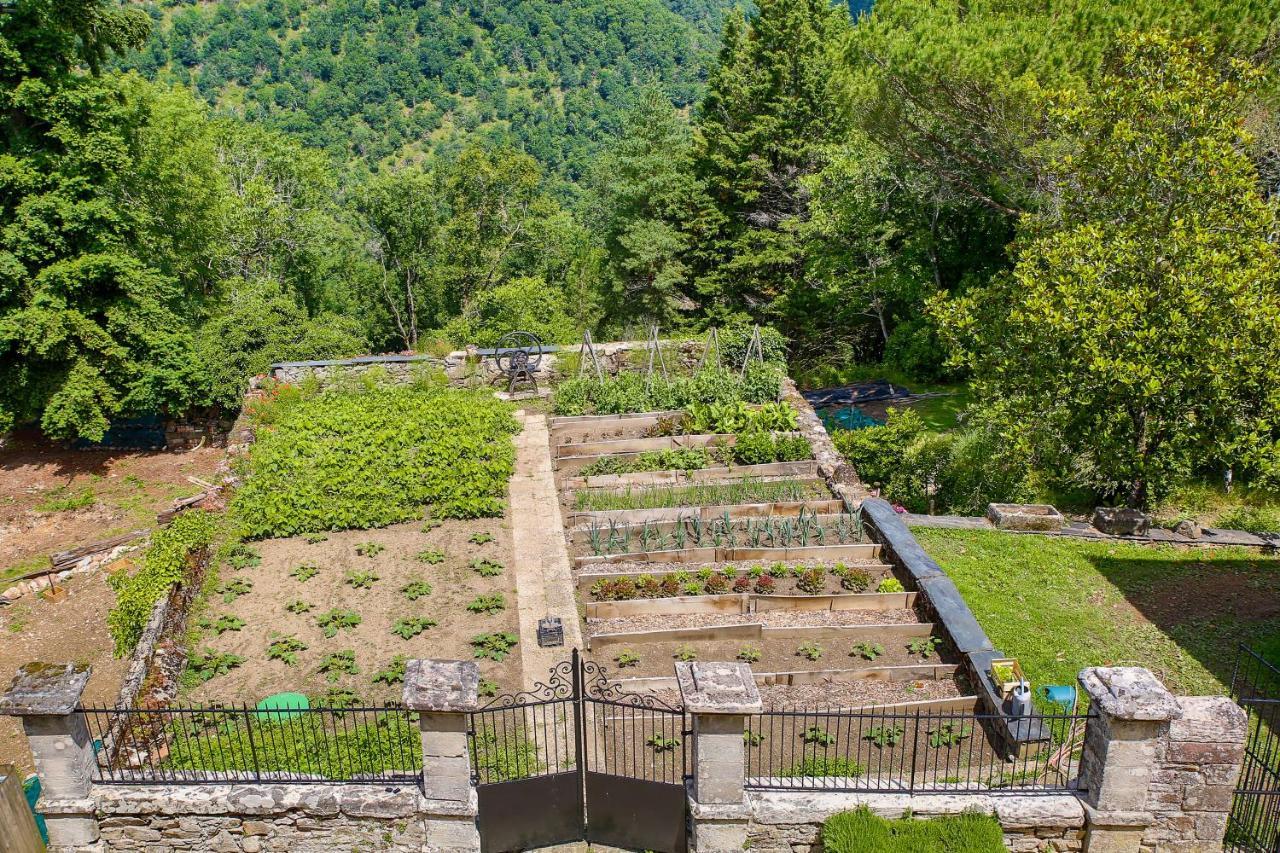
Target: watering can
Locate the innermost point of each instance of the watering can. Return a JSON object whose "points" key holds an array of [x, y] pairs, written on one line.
{"points": [[1020, 700]]}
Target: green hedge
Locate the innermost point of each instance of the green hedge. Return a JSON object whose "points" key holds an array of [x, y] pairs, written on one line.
{"points": [[860, 831], [339, 460], [163, 566]]}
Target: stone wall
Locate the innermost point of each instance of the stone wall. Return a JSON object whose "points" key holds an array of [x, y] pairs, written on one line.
{"points": [[1196, 767], [196, 431], [839, 474], [790, 822], [260, 818]]}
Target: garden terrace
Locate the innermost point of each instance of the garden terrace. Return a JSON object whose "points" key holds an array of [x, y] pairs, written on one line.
{"points": [[399, 592]]}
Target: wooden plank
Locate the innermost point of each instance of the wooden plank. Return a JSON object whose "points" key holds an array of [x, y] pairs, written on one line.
{"points": [[627, 446], [745, 630], [65, 559], [836, 601], [19, 834], [855, 633], [860, 552], [891, 674], [567, 420], [675, 606]]}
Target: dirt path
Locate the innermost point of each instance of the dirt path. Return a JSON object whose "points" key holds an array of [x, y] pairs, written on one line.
{"points": [[544, 582], [70, 631]]}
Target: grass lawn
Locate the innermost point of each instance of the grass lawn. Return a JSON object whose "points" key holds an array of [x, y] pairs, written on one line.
{"points": [[1059, 605]]}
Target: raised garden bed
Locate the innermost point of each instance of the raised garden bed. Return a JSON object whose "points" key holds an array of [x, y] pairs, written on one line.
{"points": [[783, 584], [862, 551], [749, 490], [782, 509], [776, 655], [803, 469], [744, 632], [693, 531], [747, 603]]}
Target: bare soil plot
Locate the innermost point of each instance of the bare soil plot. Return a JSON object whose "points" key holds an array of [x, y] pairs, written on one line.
{"points": [[53, 499], [454, 584], [72, 630]]}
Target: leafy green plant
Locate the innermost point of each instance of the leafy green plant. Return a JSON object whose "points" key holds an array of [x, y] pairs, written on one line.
{"points": [[415, 589], [487, 688], [241, 556], [853, 579], [370, 549], [924, 646], [494, 646], [337, 664], [392, 673], [222, 624], [659, 743], [488, 604], [304, 573], [482, 537], [749, 654], [298, 606], [818, 735], [334, 620], [751, 738], [686, 653], [890, 585], [810, 650], [431, 556], [163, 565], [948, 734], [361, 579], [812, 581], [286, 649], [431, 524], [210, 664], [340, 697], [626, 658], [315, 538], [411, 627], [231, 590], [889, 734], [486, 568], [867, 650]]}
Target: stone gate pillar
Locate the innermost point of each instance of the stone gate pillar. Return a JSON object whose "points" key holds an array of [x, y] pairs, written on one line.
{"points": [[444, 692], [1122, 749], [45, 696], [719, 696]]}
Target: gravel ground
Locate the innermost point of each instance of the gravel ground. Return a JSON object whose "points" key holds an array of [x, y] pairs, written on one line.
{"points": [[773, 618], [844, 695]]}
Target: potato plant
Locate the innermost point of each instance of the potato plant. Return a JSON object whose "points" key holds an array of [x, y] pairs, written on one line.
{"points": [[361, 579], [370, 549], [392, 673], [337, 664], [304, 573], [411, 627], [415, 589], [285, 649], [431, 556], [334, 620], [488, 604], [222, 624], [486, 568], [494, 646], [234, 589], [210, 664]]}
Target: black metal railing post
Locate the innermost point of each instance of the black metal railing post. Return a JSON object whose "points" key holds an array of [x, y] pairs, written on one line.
{"points": [[915, 752], [253, 747]]}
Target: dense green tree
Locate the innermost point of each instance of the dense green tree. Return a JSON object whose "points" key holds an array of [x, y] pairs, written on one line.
{"points": [[1139, 332]]}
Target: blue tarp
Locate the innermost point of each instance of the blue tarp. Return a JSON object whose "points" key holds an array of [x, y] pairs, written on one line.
{"points": [[144, 433], [858, 392]]}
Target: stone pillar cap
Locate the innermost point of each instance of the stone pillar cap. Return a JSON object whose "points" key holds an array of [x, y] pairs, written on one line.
{"points": [[718, 687], [1129, 693], [45, 689], [442, 685]]}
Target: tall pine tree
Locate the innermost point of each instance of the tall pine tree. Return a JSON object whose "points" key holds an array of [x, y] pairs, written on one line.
{"points": [[777, 95]]}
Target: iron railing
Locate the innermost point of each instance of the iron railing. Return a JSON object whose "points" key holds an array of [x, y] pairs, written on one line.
{"points": [[219, 744], [1254, 823], [895, 750]]}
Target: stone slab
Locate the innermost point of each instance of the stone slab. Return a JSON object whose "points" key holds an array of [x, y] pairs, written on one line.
{"points": [[718, 687], [442, 685], [45, 689], [1129, 693]]}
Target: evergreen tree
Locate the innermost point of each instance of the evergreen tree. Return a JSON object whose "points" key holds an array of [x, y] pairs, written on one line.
{"points": [[775, 98]]}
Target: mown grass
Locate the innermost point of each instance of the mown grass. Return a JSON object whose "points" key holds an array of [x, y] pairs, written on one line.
{"points": [[860, 831], [1060, 605]]}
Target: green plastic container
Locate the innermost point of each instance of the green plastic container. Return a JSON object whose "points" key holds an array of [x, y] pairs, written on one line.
{"points": [[281, 706]]}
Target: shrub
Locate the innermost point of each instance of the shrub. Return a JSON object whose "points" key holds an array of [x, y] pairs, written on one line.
{"points": [[163, 565], [341, 460], [860, 831], [876, 452]]}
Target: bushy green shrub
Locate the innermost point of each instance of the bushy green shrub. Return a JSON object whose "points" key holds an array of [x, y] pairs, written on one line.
{"points": [[635, 392], [523, 303], [164, 565], [735, 337], [876, 452], [860, 831], [343, 460]]}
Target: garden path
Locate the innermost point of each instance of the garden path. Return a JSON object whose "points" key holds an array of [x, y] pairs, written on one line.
{"points": [[544, 582]]}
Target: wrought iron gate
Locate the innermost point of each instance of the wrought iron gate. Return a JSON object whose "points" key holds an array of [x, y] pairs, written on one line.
{"points": [[575, 759], [1254, 825]]}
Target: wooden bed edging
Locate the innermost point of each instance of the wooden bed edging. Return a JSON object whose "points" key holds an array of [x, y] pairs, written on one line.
{"points": [[891, 674], [778, 509], [860, 551], [748, 602], [757, 631]]}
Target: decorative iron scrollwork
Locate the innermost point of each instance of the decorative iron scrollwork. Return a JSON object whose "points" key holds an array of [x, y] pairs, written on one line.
{"points": [[594, 682], [558, 686]]}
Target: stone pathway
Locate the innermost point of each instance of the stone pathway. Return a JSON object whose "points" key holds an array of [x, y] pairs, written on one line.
{"points": [[544, 583]]}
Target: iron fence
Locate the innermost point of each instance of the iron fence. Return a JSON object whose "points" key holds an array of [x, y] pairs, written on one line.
{"points": [[1254, 823], [911, 751], [219, 744]]}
